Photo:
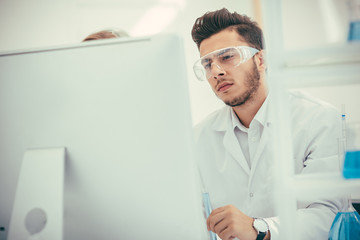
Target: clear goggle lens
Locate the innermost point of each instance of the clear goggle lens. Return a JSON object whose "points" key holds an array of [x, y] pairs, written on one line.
{"points": [[225, 58]]}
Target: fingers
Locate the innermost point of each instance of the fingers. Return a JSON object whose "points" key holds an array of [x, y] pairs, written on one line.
{"points": [[216, 216], [210, 222], [227, 233], [225, 229], [220, 226], [214, 219], [229, 222]]}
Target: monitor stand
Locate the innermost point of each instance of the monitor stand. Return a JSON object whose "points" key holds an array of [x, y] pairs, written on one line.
{"points": [[38, 206]]}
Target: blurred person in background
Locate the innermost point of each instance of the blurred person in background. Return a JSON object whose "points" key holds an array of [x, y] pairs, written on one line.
{"points": [[105, 34]]}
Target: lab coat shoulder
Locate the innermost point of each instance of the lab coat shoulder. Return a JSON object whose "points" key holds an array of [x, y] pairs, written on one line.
{"points": [[209, 135], [312, 108], [213, 124], [316, 127], [313, 114]]}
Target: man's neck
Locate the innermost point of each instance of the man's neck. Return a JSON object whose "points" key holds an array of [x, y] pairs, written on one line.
{"points": [[247, 112]]}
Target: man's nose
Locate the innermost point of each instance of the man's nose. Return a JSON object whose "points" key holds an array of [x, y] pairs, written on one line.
{"points": [[216, 70]]}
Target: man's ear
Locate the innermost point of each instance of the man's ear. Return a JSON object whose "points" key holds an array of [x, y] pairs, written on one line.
{"points": [[260, 60]]}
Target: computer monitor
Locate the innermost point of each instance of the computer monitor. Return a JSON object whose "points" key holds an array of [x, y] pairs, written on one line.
{"points": [[121, 109]]}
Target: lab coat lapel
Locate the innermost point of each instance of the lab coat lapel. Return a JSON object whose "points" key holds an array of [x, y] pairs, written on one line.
{"points": [[231, 144], [265, 118], [264, 141]]}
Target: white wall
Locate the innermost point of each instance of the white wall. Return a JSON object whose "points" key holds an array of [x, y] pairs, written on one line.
{"points": [[311, 23]]}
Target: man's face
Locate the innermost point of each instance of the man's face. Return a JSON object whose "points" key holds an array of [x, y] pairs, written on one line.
{"points": [[233, 86]]}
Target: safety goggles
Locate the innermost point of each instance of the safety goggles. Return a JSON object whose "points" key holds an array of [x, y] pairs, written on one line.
{"points": [[224, 59]]}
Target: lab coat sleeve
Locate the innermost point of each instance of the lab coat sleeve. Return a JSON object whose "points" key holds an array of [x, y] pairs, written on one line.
{"points": [[312, 222], [314, 218]]}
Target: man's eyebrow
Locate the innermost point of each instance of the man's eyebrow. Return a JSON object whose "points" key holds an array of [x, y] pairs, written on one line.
{"points": [[216, 53], [223, 51]]}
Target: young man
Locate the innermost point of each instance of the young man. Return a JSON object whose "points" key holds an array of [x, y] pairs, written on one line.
{"points": [[235, 142]]}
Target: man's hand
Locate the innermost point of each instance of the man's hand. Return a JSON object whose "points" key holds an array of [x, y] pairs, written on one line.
{"points": [[229, 222]]}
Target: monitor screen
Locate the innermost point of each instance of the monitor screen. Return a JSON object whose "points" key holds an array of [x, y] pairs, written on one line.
{"points": [[120, 108]]}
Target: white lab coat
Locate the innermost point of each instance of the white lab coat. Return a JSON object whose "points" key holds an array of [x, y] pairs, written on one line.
{"points": [[228, 178]]}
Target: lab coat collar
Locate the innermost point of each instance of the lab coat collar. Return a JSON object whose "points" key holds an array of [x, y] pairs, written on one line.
{"points": [[264, 116], [236, 122], [231, 144], [222, 120], [269, 113], [222, 123]]}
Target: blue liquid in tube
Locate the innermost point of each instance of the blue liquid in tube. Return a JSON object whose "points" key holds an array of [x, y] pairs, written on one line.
{"points": [[346, 226], [354, 31], [352, 165]]}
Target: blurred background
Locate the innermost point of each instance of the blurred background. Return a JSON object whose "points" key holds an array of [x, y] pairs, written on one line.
{"points": [[307, 25]]}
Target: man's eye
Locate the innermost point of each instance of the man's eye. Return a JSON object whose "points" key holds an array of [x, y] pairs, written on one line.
{"points": [[207, 66], [227, 57]]}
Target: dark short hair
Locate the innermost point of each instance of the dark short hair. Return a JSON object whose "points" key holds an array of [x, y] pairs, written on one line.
{"points": [[213, 22], [104, 34]]}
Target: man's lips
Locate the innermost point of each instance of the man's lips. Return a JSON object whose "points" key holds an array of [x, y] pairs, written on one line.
{"points": [[223, 87]]}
